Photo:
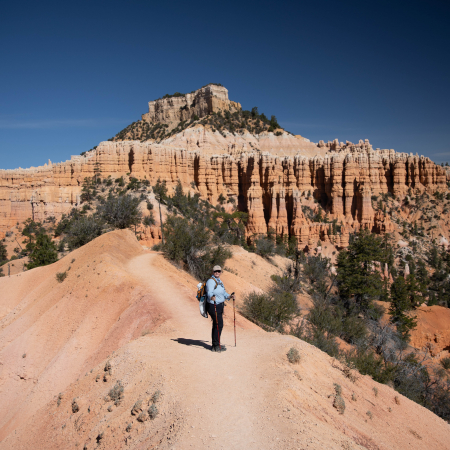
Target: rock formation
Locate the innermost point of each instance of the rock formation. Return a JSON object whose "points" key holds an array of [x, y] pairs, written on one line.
{"points": [[270, 175], [269, 187], [180, 107]]}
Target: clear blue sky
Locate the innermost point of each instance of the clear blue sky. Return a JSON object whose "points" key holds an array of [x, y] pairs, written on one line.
{"points": [[73, 74]]}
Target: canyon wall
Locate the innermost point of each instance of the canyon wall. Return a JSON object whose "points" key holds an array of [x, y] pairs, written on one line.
{"points": [[274, 190]]}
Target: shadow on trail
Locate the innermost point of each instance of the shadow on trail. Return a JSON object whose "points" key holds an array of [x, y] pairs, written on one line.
{"points": [[192, 342]]}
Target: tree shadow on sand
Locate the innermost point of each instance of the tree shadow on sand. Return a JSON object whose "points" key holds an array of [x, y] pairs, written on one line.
{"points": [[193, 342]]}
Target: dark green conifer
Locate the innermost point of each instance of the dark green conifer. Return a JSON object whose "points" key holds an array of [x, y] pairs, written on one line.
{"points": [[358, 279], [43, 252], [400, 305]]}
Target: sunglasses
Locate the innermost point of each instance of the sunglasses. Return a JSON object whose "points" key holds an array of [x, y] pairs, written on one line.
{"points": [[217, 271]]}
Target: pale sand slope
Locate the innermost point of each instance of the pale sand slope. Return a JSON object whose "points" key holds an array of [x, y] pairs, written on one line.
{"points": [[248, 397]]}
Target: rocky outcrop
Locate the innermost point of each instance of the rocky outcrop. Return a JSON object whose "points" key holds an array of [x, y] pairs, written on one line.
{"points": [[271, 188], [209, 142], [182, 107], [432, 333]]}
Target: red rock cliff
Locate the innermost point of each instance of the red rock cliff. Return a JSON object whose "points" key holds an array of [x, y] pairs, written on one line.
{"points": [[272, 189]]}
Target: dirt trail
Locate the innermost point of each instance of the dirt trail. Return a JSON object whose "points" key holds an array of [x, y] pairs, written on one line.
{"points": [[134, 311], [224, 391]]}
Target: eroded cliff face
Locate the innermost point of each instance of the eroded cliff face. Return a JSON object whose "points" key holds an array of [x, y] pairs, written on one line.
{"points": [[273, 189], [202, 102], [209, 142]]}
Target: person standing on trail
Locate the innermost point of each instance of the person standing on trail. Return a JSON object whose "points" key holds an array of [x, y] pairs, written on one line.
{"points": [[216, 296]]}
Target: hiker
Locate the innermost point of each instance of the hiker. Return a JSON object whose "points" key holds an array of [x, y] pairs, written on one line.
{"points": [[216, 295]]}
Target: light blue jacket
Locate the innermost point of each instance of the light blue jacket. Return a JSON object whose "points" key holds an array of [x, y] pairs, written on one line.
{"points": [[219, 291]]}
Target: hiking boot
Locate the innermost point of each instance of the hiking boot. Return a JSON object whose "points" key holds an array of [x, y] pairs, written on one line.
{"points": [[214, 348], [220, 350]]}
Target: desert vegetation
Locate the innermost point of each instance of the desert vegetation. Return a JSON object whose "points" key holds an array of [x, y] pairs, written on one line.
{"points": [[345, 308], [222, 121]]}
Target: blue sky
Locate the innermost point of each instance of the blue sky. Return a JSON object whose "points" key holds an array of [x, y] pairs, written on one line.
{"points": [[74, 74]]}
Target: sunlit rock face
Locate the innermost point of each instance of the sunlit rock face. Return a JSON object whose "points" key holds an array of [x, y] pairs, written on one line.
{"points": [[273, 176], [202, 102], [271, 187]]}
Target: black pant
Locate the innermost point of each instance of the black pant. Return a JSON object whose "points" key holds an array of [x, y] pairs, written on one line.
{"points": [[212, 313]]}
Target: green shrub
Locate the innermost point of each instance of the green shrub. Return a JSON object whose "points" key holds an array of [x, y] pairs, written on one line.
{"points": [[149, 220], [353, 329], [325, 342], [43, 252], [274, 310], [264, 247], [190, 244], [121, 212], [83, 230], [445, 363], [367, 362]]}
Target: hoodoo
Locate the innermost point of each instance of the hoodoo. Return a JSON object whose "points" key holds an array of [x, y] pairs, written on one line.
{"points": [[211, 145]]}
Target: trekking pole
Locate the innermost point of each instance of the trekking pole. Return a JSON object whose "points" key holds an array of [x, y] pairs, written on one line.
{"points": [[234, 312], [217, 322]]}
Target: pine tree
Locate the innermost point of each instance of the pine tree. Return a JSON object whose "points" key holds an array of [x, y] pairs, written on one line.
{"points": [[434, 259], [358, 279], [414, 290], [432, 299], [88, 191], [400, 304], [422, 277], [3, 253], [43, 253], [3, 257]]}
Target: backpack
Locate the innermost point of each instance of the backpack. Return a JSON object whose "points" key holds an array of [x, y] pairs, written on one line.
{"points": [[202, 297]]}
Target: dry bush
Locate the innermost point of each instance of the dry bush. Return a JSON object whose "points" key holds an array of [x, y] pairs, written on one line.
{"points": [[152, 412], [293, 355], [75, 407], [339, 404], [137, 408], [116, 394], [156, 396], [61, 276]]}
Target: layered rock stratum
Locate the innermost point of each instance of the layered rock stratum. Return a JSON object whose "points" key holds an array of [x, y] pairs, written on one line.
{"points": [[272, 176], [182, 107]]}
